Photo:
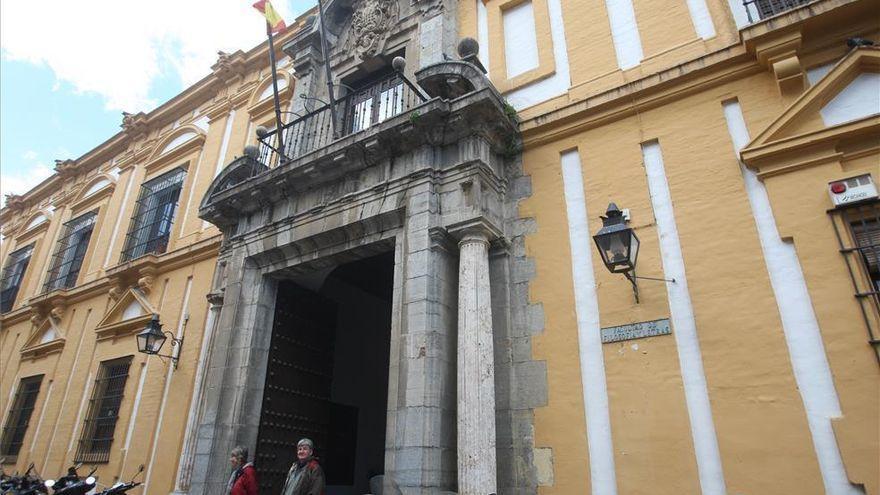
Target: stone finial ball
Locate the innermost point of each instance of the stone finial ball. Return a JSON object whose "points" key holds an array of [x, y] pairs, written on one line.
{"points": [[398, 64], [262, 132], [251, 151], [468, 47]]}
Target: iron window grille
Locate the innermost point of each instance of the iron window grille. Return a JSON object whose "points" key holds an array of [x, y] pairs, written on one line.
{"points": [[762, 9], [151, 224], [857, 227], [103, 412], [375, 102], [69, 253], [19, 416], [13, 274]]}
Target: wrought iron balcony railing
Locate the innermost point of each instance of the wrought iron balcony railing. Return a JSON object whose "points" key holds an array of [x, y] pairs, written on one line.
{"points": [[762, 9], [356, 111]]}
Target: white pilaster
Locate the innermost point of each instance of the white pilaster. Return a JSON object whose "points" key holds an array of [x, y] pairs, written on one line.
{"points": [[476, 369]]}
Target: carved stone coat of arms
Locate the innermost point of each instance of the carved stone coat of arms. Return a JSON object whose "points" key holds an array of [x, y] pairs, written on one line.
{"points": [[370, 26]]}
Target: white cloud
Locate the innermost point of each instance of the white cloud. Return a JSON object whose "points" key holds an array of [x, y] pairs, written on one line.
{"points": [[29, 155], [23, 179], [118, 49]]}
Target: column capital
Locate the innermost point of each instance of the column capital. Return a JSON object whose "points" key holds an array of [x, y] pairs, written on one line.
{"points": [[477, 229]]}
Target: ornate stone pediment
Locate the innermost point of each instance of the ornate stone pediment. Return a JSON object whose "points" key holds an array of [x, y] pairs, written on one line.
{"points": [[371, 24]]}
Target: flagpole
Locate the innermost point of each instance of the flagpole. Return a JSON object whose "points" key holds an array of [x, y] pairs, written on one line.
{"points": [[325, 53], [279, 130]]}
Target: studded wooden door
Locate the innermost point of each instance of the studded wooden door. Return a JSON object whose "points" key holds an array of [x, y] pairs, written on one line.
{"points": [[296, 400]]}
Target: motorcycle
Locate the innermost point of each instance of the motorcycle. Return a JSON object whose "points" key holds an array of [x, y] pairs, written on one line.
{"points": [[26, 484], [73, 484], [120, 488], [70, 478]]}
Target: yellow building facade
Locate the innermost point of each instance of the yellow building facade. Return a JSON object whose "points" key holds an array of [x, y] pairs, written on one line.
{"points": [[69, 320], [747, 365]]}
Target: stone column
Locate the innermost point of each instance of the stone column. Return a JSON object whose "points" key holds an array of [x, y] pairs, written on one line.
{"points": [[476, 368]]}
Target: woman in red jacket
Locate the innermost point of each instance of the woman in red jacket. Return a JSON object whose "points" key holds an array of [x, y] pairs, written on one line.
{"points": [[243, 480]]}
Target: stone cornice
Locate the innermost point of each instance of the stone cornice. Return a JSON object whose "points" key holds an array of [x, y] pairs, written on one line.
{"points": [[117, 277], [696, 75], [641, 95]]}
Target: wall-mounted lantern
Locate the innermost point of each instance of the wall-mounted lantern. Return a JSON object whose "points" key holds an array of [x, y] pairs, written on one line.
{"points": [[152, 338], [619, 247]]}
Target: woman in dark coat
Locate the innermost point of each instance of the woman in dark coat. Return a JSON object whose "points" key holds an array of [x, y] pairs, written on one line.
{"points": [[243, 480], [305, 476]]}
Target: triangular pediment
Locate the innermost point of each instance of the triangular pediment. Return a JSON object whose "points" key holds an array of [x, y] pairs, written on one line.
{"points": [[823, 106], [129, 313], [46, 339]]}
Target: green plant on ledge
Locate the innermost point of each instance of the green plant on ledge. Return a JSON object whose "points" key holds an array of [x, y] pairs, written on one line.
{"points": [[414, 117]]}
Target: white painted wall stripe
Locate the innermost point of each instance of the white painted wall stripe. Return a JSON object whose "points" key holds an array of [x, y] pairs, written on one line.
{"points": [[184, 467], [802, 334], [182, 318], [46, 401], [119, 217], [191, 194], [625, 33], [701, 18], [740, 16], [227, 131], [551, 87], [520, 39], [70, 376], [602, 472], [684, 326], [132, 420], [82, 405], [483, 34], [12, 389]]}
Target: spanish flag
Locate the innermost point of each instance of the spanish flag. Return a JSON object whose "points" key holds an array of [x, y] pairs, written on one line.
{"points": [[273, 19]]}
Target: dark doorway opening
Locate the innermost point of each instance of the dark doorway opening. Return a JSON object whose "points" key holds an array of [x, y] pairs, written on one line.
{"points": [[327, 377]]}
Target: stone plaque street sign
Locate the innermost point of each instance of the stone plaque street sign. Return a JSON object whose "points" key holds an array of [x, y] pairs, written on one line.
{"points": [[638, 330]]}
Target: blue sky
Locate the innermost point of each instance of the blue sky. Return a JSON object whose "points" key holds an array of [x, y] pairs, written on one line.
{"points": [[64, 84]]}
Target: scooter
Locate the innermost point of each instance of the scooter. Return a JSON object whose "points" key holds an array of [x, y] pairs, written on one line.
{"points": [[120, 488], [27, 484], [70, 478], [80, 486]]}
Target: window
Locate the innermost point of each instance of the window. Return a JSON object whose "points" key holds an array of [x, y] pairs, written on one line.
{"points": [[376, 101], [857, 226], [12, 277], [151, 224], [762, 9], [19, 416], [69, 253], [100, 422], [866, 237]]}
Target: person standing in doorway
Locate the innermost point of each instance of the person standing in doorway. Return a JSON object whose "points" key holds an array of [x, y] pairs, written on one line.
{"points": [[305, 476], [243, 480]]}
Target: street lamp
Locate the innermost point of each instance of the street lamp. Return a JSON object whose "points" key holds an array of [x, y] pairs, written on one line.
{"points": [[151, 339], [618, 245]]}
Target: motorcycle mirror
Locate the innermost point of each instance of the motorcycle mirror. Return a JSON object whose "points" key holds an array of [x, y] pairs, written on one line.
{"points": [[139, 471], [50, 483], [91, 480], [31, 466]]}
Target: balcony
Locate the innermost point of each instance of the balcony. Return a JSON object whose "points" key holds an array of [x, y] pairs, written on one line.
{"points": [[758, 10], [386, 121], [356, 112]]}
